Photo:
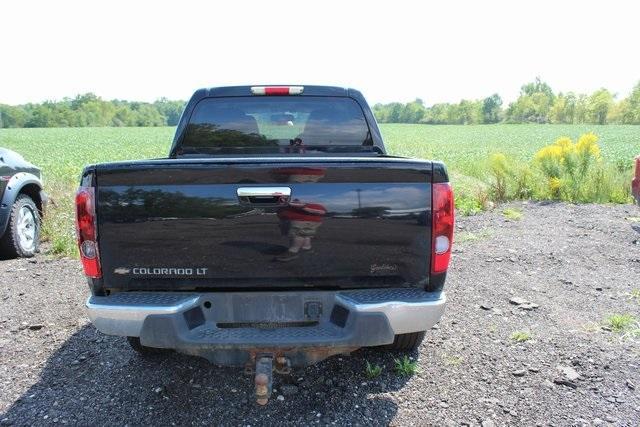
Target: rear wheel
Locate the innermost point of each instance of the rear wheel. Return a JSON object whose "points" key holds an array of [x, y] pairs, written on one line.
{"points": [[406, 342], [22, 236], [145, 351]]}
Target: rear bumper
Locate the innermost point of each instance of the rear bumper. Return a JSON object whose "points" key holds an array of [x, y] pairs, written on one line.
{"points": [[219, 325]]}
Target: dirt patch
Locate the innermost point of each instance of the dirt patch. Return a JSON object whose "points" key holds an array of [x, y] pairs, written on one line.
{"points": [[577, 264]]}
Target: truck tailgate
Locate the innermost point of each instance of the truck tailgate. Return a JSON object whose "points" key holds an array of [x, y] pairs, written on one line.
{"points": [[235, 223]]}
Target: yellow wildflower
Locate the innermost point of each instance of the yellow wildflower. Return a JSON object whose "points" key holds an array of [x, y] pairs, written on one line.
{"points": [[554, 184], [563, 142], [588, 145], [550, 152], [566, 145], [498, 163]]}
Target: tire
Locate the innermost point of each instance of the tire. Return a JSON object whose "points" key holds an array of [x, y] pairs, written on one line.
{"points": [[22, 236], [145, 351], [406, 342]]}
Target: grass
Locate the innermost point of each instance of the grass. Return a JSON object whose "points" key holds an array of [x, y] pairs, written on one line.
{"points": [[372, 371], [512, 214], [620, 322], [62, 153], [520, 336], [635, 294], [405, 367]]}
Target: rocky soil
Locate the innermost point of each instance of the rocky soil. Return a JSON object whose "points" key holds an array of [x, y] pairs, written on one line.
{"points": [[553, 278]]}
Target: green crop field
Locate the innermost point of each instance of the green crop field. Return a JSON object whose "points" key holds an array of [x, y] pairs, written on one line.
{"points": [[62, 152], [465, 149]]}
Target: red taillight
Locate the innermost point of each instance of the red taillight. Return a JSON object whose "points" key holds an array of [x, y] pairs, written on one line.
{"points": [[86, 231], [442, 227], [277, 90]]}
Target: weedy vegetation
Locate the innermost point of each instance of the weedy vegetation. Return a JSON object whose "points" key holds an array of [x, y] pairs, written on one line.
{"points": [[512, 214], [487, 163], [520, 336], [498, 163], [405, 367], [620, 322], [372, 371]]}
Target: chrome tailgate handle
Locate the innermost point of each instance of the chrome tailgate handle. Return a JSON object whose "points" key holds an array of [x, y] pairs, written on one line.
{"points": [[264, 191], [264, 194]]}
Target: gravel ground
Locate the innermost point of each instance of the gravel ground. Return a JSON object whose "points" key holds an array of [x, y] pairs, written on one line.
{"points": [[577, 264]]}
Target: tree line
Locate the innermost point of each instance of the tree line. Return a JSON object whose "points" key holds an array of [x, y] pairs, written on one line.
{"points": [[537, 103], [91, 110]]}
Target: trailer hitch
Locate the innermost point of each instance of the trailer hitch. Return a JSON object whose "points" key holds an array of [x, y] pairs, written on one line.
{"points": [[263, 371], [264, 379]]}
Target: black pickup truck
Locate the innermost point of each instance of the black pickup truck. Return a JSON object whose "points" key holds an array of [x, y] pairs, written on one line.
{"points": [[277, 233]]}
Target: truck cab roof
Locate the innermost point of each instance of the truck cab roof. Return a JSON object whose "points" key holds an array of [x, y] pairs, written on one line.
{"points": [[307, 90]]}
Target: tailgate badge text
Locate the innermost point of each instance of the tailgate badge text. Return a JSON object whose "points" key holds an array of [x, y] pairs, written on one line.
{"points": [[162, 271]]}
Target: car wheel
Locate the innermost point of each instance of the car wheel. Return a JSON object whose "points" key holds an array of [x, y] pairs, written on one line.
{"points": [[22, 236], [406, 342]]}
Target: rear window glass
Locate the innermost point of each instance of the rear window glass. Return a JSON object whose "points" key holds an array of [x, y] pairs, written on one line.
{"points": [[276, 124]]}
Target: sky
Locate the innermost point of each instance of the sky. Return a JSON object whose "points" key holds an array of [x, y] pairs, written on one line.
{"points": [[391, 51]]}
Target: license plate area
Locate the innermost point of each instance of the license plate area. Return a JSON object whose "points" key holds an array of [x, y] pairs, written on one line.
{"points": [[267, 310]]}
